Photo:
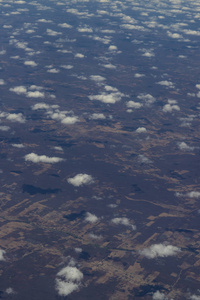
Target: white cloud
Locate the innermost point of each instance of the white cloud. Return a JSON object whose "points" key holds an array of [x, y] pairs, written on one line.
{"points": [[133, 104], [67, 67], [44, 21], [170, 108], [54, 71], [159, 296], [95, 236], [193, 194], [79, 55], [52, 32], [183, 146], [148, 54], [4, 128], [160, 250], [16, 118], [41, 105], [2, 253], [81, 179], [2, 82], [123, 221], [35, 94], [9, 291], [30, 63], [166, 83], [42, 158], [109, 66], [194, 297], [96, 116], [18, 146], [68, 280], [143, 159], [65, 25], [138, 75], [141, 130], [147, 98], [91, 218], [19, 89], [111, 98], [174, 35], [112, 48], [97, 78]]}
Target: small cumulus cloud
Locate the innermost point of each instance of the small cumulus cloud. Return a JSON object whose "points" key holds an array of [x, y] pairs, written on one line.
{"points": [[91, 218], [141, 130], [30, 63], [68, 280], [79, 55], [18, 146], [160, 250], [42, 158], [170, 108], [123, 221], [97, 116], [166, 83], [159, 296], [144, 160], [2, 253], [184, 147], [81, 179], [65, 25], [2, 82], [132, 104]]}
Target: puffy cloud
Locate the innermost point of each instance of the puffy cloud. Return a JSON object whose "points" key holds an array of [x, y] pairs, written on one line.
{"points": [[109, 66], [159, 296], [44, 21], [148, 54], [9, 291], [42, 158], [91, 218], [85, 29], [111, 98], [141, 130], [52, 32], [35, 94], [2, 82], [18, 146], [183, 146], [174, 35], [79, 55], [4, 128], [133, 104], [16, 118], [68, 280], [97, 78], [170, 108], [160, 250], [112, 48], [147, 98], [19, 89], [81, 179], [96, 116], [67, 67], [138, 75], [65, 25], [193, 194], [30, 63], [123, 221], [166, 83], [2, 253], [95, 236], [41, 105], [195, 297], [144, 160], [54, 71]]}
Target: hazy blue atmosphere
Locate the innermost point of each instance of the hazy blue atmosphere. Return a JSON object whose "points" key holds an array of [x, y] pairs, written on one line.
{"points": [[99, 149]]}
